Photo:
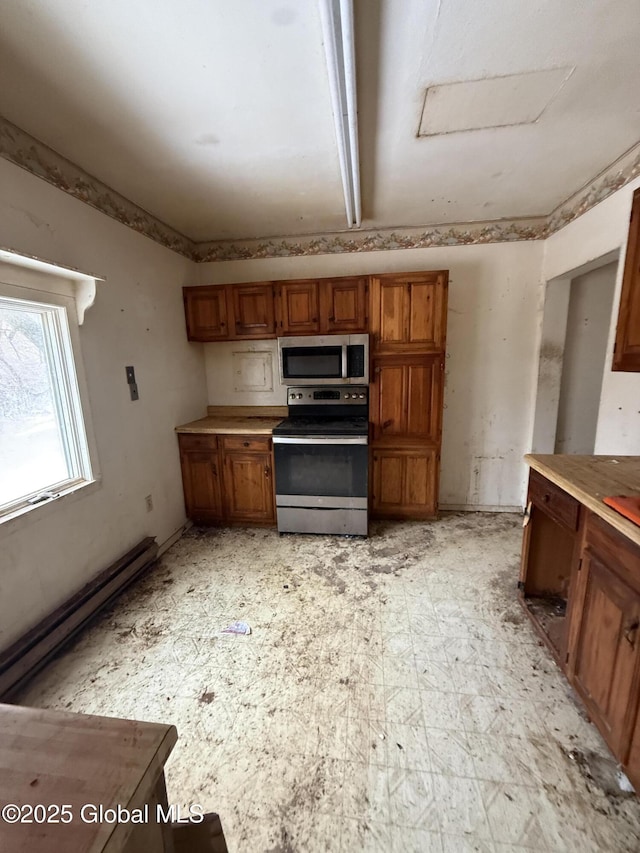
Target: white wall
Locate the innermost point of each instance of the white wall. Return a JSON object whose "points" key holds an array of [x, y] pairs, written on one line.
{"points": [[491, 354], [137, 319], [601, 230], [588, 324]]}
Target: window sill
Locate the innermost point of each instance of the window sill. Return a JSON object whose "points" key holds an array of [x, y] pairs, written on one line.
{"points": [[35, 512]]}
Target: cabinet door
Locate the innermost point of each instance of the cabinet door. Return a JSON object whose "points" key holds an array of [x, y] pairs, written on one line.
{"points": [[404, 482], [406, 398], [206, 313], [632, 764], [248, 486], [299, 308], [200, 478], [343, 305], [626, 354], [606, 656], [408, 312], [253, 310]]}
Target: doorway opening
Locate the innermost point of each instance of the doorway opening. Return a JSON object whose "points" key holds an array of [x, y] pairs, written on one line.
{"points": [[575, 331]]}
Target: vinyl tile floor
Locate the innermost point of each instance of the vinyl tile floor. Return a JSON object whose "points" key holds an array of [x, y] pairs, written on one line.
{"points": [[391, 696]]}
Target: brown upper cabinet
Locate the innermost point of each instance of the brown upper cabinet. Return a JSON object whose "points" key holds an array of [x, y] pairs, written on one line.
{"points": [[626, 353], [253, 310], [298, 308], [263, 309], [325, 306], [343, 305], [230, 312], [408, 312], [206, 313]]}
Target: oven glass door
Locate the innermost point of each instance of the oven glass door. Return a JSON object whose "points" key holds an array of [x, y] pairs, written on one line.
{"points": [[312, 363], [321, 469]]}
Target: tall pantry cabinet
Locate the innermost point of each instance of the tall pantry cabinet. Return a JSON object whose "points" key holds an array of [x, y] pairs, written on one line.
{"points": [[408, 335]]}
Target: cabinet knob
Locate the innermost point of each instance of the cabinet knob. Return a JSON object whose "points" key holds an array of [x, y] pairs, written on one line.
{"points": [[546, 498], [267, 471], [245, 444], [214, 468], [630, 633], [387, 424]]}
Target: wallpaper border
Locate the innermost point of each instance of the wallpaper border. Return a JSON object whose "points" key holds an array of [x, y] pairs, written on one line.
{"points": [[24, 150]]}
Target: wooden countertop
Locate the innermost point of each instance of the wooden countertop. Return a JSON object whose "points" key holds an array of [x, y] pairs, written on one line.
{"points": [[589, 479], [55, 757], [237, 420], [234, 426]]}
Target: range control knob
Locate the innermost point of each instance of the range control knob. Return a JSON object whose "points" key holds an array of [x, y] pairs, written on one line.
{"points": [[361, 396], [299, 396], [347, 396], [292, 396]]}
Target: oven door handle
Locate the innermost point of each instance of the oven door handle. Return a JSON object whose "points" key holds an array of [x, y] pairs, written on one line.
{"points": [[344, 361], [320, 439]]}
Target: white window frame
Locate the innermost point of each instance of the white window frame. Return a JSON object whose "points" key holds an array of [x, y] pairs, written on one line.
{"points": [[57, 299]]}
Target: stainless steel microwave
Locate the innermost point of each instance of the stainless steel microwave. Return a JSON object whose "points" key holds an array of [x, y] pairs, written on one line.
{"points": [[324, 360]]}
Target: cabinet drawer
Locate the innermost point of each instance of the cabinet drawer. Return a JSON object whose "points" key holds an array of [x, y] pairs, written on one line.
{"points": [[554, 501], [620, 554], [195, 442], [247, 442]]}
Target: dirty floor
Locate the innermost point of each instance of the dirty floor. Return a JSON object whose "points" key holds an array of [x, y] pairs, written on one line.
{"points": [[391, 695]]}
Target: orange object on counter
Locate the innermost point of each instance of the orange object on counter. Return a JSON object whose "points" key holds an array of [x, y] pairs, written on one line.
{"points": [[627, 505]]}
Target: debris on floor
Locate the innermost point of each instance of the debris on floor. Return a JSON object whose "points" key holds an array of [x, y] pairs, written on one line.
{"points": [[237, 628], [602, 772], [395, 697]]}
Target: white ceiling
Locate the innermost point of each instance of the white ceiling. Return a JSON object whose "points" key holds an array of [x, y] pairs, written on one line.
{"points": [[215, 115]]}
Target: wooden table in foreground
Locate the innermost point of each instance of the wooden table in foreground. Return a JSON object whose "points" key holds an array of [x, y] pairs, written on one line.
{"points": [[580, 585], [51, 758]]}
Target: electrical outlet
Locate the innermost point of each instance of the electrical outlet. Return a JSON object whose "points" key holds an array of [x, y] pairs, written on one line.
{"points": [[149, 502]]}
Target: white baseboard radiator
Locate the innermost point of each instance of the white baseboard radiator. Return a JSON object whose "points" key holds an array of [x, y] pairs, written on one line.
{"points": [[33, 650]]}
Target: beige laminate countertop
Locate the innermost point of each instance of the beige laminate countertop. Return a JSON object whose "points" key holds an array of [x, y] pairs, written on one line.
{"points": [[237, 420], [231, 425], [589, 479]]}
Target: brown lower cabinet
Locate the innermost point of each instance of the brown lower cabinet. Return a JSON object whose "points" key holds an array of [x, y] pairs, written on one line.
{"points": [[606, 654], [580, 584], [404, 482], [227, 479]]}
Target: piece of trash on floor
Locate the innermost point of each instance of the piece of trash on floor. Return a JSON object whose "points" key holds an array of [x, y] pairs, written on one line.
{"points": [[237, 628], [623, 782]]}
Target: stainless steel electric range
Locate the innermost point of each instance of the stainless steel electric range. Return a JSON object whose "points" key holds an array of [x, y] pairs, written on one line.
{"points": [[321, 461]]}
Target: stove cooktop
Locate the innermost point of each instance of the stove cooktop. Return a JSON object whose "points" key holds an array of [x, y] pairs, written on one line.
{"points": [[302, 425]]}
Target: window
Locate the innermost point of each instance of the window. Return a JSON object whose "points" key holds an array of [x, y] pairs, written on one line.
{"points": [[43, 442]]}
